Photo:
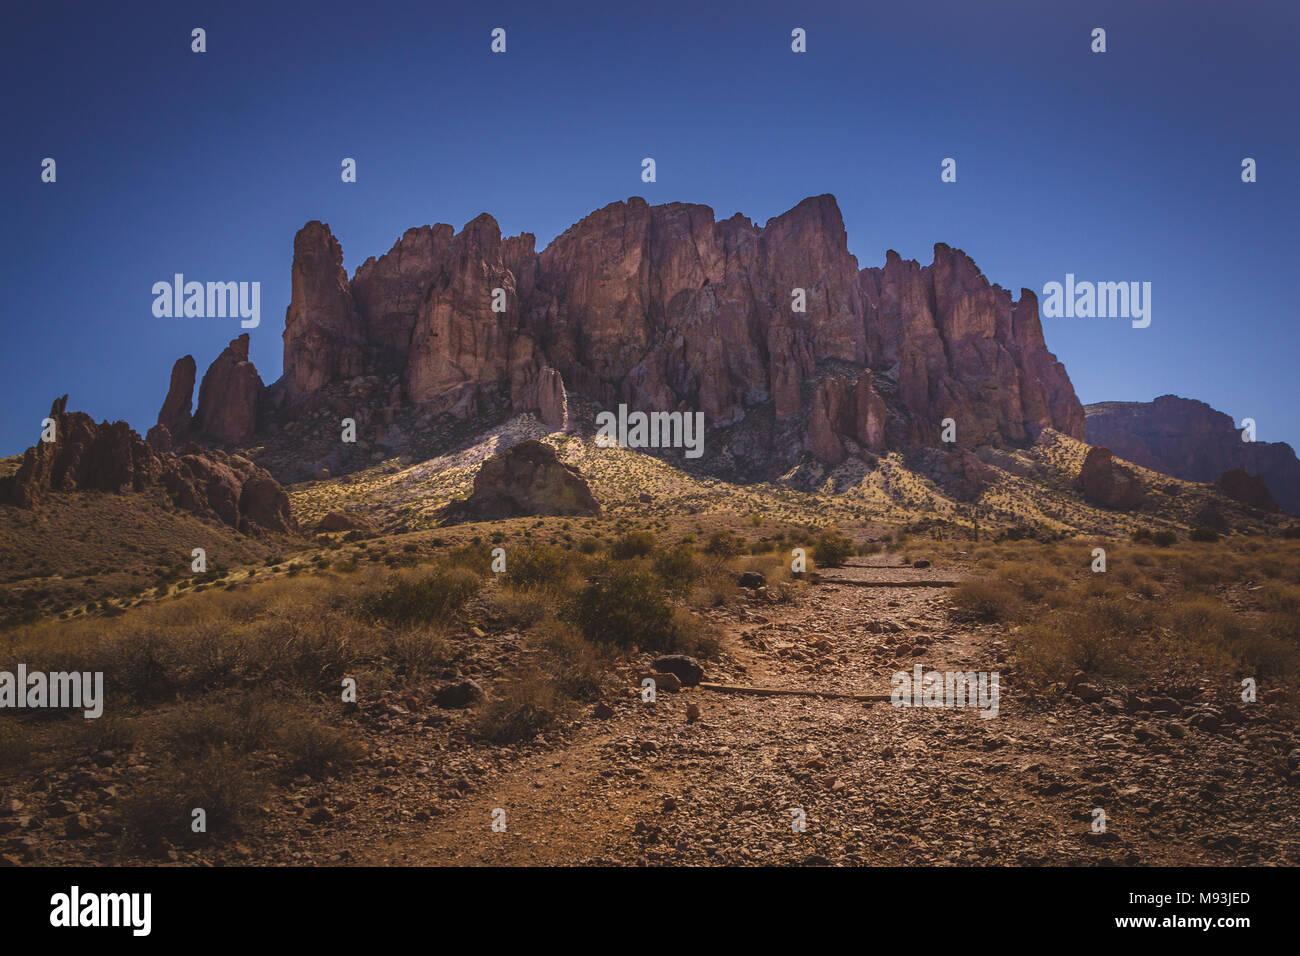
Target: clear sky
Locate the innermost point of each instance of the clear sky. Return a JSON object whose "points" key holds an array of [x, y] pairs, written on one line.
{"points": [[1122, 166]]}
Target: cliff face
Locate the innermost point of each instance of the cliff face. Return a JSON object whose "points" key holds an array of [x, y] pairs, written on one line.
{"points": [[1189, 439], [665, 308]]}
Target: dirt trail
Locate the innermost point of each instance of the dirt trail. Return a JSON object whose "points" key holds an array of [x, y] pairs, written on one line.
{"points": [[872, 783]]}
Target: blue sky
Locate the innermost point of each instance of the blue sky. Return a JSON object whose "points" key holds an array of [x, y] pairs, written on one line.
{"points": [[1115, 166]]}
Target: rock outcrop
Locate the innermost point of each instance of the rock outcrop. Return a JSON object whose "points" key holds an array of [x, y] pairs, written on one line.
{"points": [[83, 455], [1107, 483], [176, 409], [323, 334], [1246, 488], [526, 479], [229, 395], [86, 456], [1190, 440], [844, 410], [665, 308]]}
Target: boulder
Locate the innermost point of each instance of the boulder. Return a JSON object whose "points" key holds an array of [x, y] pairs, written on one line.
{"points": [[526, 479], [687, 669], [1107, 483], [1248, 489], [464, 693]]}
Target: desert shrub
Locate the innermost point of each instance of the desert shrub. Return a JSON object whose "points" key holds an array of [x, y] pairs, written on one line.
{"points": [[678, 568], [419, 650], [589, 545], [985, 600], [633, 544], [511, 607], [694, 635], [213, 656], [1057, 645], [1144, 586], [577, 667], [1142, 535], [473, 557], [832, 549], [434, 597], [1203, 534], [1164, 539], [147, 670], [525, 706], [306, 646], [246, 724], [722, 546], [316, 748], [1032, 581], [1281, 598], [223, 784], [868, 548], [715, 588], [1267, 653], [537, 567], [623, 606]]}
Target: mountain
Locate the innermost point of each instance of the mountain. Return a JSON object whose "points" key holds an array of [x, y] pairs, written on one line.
{"points": [[661, 308], [1190, 440]]}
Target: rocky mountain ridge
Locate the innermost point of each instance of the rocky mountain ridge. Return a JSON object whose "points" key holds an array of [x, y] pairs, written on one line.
{"points": [[661, 308], [1190, 440]]}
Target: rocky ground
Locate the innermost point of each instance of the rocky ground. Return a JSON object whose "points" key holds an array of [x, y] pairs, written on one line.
{"points": [[704, 777]]}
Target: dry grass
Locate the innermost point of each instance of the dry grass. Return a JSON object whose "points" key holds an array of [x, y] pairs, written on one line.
{"points": [[1158, 614]]}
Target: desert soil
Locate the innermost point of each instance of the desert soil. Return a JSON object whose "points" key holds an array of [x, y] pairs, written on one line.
{"points": [[876, 784]]}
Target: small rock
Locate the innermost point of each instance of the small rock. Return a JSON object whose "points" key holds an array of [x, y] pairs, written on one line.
{"points": [[463, 693], [1087, 692], [666, 681], [687, 669]]}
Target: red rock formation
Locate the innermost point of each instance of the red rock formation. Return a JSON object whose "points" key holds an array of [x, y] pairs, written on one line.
{"points": [[1108, 483], [542, 390], [323, 334], [113, 458], [665, 308], [1250, 489], [843, 410], [228, 396], [458, 340], [175, 413], [526, 479], [1190, 440], [83, 455], [962, 349]]}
